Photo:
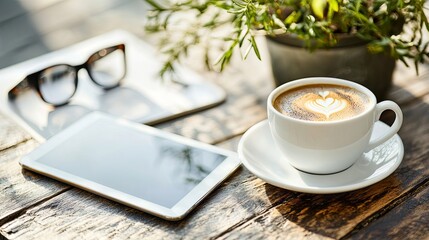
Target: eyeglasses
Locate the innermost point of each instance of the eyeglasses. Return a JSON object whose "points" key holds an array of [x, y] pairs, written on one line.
{"points": [[57, 84]]}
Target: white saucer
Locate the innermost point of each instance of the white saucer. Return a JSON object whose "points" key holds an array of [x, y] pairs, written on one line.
{"points": [[259, 155]]}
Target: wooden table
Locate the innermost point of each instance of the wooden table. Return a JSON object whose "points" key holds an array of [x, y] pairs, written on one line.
{"points": [[244, 207]]}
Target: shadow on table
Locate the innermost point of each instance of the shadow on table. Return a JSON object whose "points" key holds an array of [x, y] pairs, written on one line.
{"points": [[334, 215], [337, 215], [47, 120], [20, 38]]}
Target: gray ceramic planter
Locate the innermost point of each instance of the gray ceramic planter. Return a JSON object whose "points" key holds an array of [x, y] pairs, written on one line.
{"points": [[349, 60]]}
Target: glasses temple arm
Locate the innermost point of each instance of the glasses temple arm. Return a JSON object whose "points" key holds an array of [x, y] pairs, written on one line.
{"points": [[23, 86]]}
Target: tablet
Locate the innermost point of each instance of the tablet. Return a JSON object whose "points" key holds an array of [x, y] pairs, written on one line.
{"points": [[141, 96], [137, 165]]}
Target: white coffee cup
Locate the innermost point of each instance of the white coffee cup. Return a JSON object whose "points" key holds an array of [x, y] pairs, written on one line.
{"points": [[325, 147]]}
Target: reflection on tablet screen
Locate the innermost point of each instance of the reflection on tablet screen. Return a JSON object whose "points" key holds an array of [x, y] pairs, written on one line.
{"points": [[150, 167]]}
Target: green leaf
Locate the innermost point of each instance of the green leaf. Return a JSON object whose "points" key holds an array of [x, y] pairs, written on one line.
{"points": [[247, 52], [311, 20], [333, 7], [255, 47], [242, 39], [236, 11], [278, 22], [416, 65], [318, 7], [155, 5], [425, 20], [239, 3], [293, 18], [333, 4]]}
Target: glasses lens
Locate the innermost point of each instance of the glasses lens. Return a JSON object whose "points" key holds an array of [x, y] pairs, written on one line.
{"points": [[57, 84], [109, 69]]}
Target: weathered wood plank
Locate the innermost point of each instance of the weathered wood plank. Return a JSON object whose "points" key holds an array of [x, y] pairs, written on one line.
{"points": [[416, 87], [337, 214], [19, 188], [78, 214], [243, 109], [404, 75], [258, 209], [127, 16], [13, 9], [35, 6], [248, 111], [247, 90], [24, 53], [409, 86], [220, 212], [10, 9], [27, 197], [244, 106], [34, 25], [410, 220], [10, 133]]}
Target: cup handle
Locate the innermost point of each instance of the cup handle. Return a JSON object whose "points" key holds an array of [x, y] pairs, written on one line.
{"points": [[380, 108]]}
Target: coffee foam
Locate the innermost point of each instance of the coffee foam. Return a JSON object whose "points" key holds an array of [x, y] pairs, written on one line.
{"points": [[321, 102]]}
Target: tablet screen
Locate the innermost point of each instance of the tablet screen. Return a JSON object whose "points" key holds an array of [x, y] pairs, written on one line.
{"points": [[147, 166]]}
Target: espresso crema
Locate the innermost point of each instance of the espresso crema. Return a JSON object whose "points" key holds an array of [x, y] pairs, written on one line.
{"points": [[321, 102]]}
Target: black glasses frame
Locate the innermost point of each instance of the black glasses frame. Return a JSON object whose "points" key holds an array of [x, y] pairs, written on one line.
{"points": [[32, 80]]}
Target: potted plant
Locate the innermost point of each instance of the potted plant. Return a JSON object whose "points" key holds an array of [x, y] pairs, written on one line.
{"points": [[358, 40]]}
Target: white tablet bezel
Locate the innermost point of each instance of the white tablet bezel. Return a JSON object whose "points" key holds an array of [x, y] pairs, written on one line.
{"points": [[177, 212]]}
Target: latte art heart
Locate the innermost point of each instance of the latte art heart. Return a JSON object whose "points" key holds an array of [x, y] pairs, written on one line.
{"points": [[326, 106], [321, 102], [325, 102]]}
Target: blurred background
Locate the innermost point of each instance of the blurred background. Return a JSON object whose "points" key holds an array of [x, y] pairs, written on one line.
{"points": [[31, 28]]}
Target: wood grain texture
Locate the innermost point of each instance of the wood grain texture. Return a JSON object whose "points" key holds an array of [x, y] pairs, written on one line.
{"points": [[10, 133], [408, 86], [34, 207], [78, 214], [316, 216], [247, 89], [243, 108], [410, 220], [243, 207], [210, 126], [404, 76], [56, 18], [336, 215], [128, 16], [10, 10], [19, 188], [35, 6]]}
